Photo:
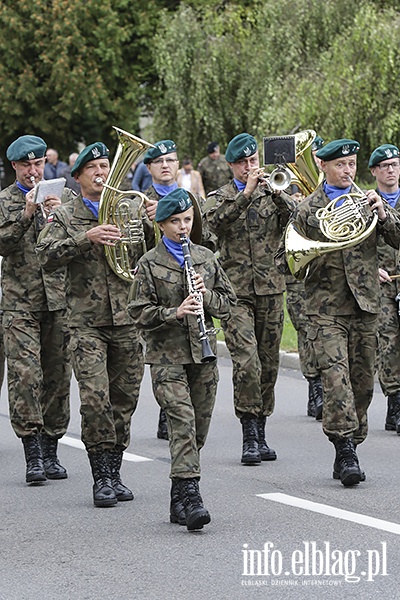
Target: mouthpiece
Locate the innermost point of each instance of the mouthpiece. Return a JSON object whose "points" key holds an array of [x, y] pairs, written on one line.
{"points": [[98, 180]]}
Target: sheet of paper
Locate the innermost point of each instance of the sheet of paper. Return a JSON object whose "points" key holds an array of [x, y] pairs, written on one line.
{"points": [[49, 187]]}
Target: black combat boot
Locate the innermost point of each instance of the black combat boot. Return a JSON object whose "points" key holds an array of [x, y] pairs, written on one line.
{"points": [[251, 454], [318, 400], [395, 401], [52, 466], [162, 431], [311, 402], [176, 509], [346, 463], [390, 423], [122, 492], [266, 453], [103, 491], [35, 472], [195, 514], [336, 468]]}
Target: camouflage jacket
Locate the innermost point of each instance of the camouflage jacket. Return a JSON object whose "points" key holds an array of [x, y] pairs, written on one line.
{"points": [[214, 173], [388, 259], [96, 297], [160, 287], [341, 280], [25, 286], [248, 233]]}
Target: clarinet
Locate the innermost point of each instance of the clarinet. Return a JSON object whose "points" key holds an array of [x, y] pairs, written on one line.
{"points": [[207, 354]]}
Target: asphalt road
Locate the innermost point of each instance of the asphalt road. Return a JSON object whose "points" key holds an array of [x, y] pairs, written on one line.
{"points": [[284, 529]]}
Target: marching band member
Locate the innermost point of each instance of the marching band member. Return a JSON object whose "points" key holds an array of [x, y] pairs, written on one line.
{"points": [[248, 221], [384, 164], [35, 331], [342, 302], [106, 349], [183, 386]]}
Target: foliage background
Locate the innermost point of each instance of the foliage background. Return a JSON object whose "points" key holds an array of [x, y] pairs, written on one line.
{"points": [[199, 71]]}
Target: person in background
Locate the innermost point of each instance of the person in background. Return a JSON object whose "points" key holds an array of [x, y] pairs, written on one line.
{"points": [[384, 164], [296, 307], [141, 179], [317, 145], [189, 179], [106, 348], [164, 306], [214, 169], [53, 167], [71, 182], [36, 335]]}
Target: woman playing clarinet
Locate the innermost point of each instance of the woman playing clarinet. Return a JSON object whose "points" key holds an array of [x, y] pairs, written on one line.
{"points": [[178, 288]]}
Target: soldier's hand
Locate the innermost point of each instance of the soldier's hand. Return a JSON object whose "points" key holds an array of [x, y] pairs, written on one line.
{"points": [[50, 203], [253, 179], [190, 306], [106, 235], [383, 276], [376, 203], [151, 207], [30, 206]]}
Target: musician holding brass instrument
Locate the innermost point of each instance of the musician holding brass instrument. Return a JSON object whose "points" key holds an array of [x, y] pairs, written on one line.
{"points": [[178, 286], [106, 348], [384, 164], [342, 293], [248, 219], [36, 335]]}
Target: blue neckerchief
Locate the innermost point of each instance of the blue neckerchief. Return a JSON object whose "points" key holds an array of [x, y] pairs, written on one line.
{"points": [[175, 249], [334, 192], [239, 184], [93, 206], [21, 187], [391, 198], [163, 190]]}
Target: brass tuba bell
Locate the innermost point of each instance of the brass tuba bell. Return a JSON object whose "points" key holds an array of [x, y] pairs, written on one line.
{"points": [[306, 174], [125, 209]]}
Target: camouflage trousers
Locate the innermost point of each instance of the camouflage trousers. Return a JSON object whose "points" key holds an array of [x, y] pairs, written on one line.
{"points": [[2, 355], [345, 348], [108, 363], [389, 346], [296, 307], [187, 394], [253, 335], [38, 371]]}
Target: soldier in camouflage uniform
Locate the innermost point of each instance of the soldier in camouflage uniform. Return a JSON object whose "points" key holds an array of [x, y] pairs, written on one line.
{"points": [[183, 386], [35, 330], [249, 220], [106, 348], [214, 169], [385, 167], [342, 294]]}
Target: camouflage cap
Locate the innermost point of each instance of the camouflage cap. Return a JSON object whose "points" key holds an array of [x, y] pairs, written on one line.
{"points": [[317, 143], [160, 149], [241, 146], [338, 149], [91, 152], [26, 147], [174, 203], [383, 152]]}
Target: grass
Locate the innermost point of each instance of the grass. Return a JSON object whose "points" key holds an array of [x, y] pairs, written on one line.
{"points": [[289, 336]]}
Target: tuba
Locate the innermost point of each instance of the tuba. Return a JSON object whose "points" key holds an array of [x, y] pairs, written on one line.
{"points": [[125, 209], [306, 174], [346, 225]]}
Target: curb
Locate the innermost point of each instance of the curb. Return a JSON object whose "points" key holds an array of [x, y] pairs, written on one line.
{"points": [[287, 360]]}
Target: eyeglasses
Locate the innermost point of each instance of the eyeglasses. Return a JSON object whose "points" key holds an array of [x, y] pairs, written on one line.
{"points": [[160, 161], [385, 166]]}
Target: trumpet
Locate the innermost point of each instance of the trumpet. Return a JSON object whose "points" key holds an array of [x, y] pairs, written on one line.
{"points": [[278, 180], [207, 354]]}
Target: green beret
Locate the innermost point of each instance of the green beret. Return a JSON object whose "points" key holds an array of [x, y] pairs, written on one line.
{"points": [[241, 146], [172, 204], [337, 149], [383, 152], [26, 147], [92, 152], [317, 143], [160, 148]]}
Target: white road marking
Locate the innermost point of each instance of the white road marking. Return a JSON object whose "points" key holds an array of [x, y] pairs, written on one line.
{"points": [[69, 441], [332, 511]]}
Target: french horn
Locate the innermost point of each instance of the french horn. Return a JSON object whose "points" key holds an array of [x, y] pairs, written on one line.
{"points": [[125, 209]]}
